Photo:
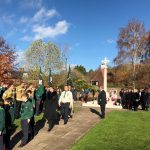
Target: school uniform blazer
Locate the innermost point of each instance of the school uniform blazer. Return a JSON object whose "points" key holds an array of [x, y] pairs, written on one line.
{"points": [[27, 110]]}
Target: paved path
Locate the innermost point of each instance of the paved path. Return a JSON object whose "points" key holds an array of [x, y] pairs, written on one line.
{"points": [[61, 137]]}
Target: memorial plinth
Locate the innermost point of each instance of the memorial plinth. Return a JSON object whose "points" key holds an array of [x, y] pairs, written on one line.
{"points": [[110, 104]]}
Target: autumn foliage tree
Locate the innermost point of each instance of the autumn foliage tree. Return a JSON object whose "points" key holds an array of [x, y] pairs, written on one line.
{"points": [[7, 59], [132, 45]]}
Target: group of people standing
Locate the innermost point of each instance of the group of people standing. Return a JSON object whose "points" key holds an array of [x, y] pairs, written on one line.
{"points": [[26, 101], [131, 100]]}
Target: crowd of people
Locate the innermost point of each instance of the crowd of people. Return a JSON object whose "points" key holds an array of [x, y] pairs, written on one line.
{"points": [[25, 101], [130, 99]]}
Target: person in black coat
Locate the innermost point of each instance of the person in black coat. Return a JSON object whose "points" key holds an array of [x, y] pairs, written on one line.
{"points": [[122, 95], [9, 119], [130, 99], [142, 100], [137, 99], [50, 107], [102, 101], [147, 99]]}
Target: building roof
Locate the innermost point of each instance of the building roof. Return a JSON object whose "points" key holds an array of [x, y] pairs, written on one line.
{"points": [[97, 76]]}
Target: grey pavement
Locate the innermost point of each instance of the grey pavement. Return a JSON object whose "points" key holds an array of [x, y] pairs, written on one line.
{"points": [[61, 137]]}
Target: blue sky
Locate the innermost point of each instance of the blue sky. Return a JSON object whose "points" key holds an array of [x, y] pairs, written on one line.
{"points": [[89, 28]]}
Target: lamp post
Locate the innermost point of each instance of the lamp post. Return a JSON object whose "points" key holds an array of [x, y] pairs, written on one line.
{"points": [[105, 61]]}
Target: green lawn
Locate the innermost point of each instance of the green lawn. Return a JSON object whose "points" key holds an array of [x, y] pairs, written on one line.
{"points": [[77, 107], [17, 121], [120, 130]]}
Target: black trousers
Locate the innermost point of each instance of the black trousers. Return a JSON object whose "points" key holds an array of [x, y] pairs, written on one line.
{"points": [[51, 123], [135, 105], [25, 130], [31, 127], [37, 110], [17, 107], [143, 104], [65, 111], [1, 142], [7, 138], [102, 108], [131, 104], [123, 103]]}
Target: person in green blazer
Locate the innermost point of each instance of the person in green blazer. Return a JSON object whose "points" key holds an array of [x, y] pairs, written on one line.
{"points": [[32, 121], [2, 124], [39, 95], [26, 115]]}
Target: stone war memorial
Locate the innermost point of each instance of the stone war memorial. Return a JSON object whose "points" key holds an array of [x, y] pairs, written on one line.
{"points": [[96, 81], [74, 75]]}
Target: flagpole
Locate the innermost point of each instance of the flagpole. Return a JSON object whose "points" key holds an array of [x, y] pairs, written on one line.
{"points": [[40, 77], [50, 77]]}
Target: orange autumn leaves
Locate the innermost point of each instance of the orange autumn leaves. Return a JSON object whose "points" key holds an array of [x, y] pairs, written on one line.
{"points": [[7, 59]]}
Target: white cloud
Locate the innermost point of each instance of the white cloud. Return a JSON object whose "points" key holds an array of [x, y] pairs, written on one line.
{"points": [[8, 19], [40, 16], [42, 32], [38, 28], [110, 41], [31, 3], [43, 14], [23, 20]]}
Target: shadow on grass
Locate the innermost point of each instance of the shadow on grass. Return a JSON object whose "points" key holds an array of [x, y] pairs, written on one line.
{"points": [[95, 111], [39, 125]]}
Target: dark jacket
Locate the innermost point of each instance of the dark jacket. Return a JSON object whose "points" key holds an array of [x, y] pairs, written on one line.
{"points": [[147, 98], [102, 98], [39, 92], [2, 120], [51, 105], [9, 116], [27, 109], [2, 90]]}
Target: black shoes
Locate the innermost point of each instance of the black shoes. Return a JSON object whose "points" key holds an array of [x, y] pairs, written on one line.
{"points": [[102, 116], [49, 129], [22, 145], [65, 122]]}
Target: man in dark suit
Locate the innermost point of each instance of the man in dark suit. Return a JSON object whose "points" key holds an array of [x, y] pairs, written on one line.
{"points": [[102, 101]]}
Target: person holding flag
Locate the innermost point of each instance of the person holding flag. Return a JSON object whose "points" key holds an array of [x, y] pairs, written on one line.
{"points": [[39, 93], [50, 78], [70, 85], [69, 80]]}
